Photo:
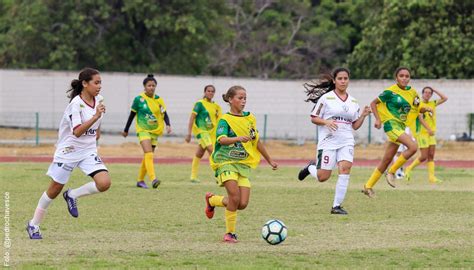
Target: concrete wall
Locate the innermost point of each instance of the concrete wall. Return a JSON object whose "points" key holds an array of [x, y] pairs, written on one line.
{"points": [[24, 92]]}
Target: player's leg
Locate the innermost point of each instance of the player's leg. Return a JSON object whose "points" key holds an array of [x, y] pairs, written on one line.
{"points": [[390, 151], [345, 156], [423, 156], [195, 163], [244, 186], [320, 169], [412, 147], [431, 165], [141, 175], [233, 195]]}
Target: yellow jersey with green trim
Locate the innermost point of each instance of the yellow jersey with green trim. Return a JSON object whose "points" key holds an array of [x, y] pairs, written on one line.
{"points": [[207, 114], [399, 105], [150, 113], [239, 153], [429, 117]]}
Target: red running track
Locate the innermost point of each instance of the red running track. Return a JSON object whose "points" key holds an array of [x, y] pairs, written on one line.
{"points": [[285, 162]]}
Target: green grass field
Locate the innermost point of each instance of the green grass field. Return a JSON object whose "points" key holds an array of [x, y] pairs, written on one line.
{"points": [[415, 225]]}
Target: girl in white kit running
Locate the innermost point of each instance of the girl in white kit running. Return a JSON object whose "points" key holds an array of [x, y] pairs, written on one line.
{"points": [[79, 131], [336, 114]]}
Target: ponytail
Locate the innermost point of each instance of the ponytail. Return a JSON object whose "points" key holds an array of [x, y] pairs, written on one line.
{"points": [[315, 90], [76, 85], [232, 92]]}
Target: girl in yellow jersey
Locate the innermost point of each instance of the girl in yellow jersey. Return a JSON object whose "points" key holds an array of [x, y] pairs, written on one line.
{"points": [[203, 123], [395, 108], [426, 128], [150, 110], [237, 150]]}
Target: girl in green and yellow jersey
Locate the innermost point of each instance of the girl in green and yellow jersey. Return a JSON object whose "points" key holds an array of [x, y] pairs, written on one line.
{"points": [[236, 152], [203, 123], [150, 110], [426, 129], [395, 108]]}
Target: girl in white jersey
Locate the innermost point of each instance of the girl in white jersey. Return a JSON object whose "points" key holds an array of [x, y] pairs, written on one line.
{"points": [[76, 147], [336, 114]]}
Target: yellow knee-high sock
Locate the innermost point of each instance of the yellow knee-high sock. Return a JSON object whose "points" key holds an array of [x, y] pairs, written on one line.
{"points": [[397, 164], [195, 168], [431, 171], [150, 167], [413, 165], [230, 221], [373, 178], [142, 171], [216, 200]]}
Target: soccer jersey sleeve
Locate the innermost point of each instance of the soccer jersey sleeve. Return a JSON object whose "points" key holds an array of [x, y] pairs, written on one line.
{"points": [[162, 105], [75, 115], [356, 112], [136, 104], [385, 96], [318, 110], [197, 107], [222, 129]]}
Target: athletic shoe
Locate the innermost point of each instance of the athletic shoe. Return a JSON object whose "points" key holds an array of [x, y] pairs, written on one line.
{"points": [[390, 179], [408, 175], [305, 172], [142, 184], [435, 181], [71, 204], [195, 181], [399, 174], [230, 238], [33, 231], [209, 209], [338, 210], [369, 192], [155, 183]]}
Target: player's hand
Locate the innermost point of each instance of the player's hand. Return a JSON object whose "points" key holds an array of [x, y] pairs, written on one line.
{"points": [[430, 132], [273, 164], [244, 138], [100, 109], [377, 124], [366, 111], [187, 138], [331, 125], [124, 134], [168, 129]]}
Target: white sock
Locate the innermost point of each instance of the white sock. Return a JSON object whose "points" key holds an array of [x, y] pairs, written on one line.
{"points": [[40, 211], [313, 171], [86, 189], [341, 189]]}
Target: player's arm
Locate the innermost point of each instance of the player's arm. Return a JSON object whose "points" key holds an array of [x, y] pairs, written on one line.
{"points": [[424, 124], [261, 148], [129, 122], [373, 108], [167, 122], [80, 129], [192, 118], [317, 115], [97, 134], [443, 97], [358, 123]]}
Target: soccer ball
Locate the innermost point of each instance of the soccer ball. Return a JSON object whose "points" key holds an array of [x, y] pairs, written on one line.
{"points": [[274, 231]]}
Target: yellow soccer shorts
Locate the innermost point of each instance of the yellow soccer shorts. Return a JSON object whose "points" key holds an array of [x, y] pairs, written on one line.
{"points": [[204, 139], [425, 140], [144, 135], [229, 175], [393, 130]]}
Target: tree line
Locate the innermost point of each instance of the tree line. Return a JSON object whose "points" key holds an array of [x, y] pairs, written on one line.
{"points": [[290, 39]]}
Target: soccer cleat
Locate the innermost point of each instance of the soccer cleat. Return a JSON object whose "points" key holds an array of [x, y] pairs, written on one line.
{"points": [[33, 231], [435, 181], [142, 184], [408, 175], [305, 172], [155, 183], [71, 204], [230, 238], [390, 179], [209, 209], [369, 192], [195, 181], [338, 210]]}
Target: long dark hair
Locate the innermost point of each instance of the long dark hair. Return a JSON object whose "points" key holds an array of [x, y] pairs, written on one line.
{"points": [[148, 78], [232, 92], [85, 74], [314, 90]]}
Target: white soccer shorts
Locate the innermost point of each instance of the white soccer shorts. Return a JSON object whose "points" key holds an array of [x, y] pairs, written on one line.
{"points": [[60, 172], [327, 159]]}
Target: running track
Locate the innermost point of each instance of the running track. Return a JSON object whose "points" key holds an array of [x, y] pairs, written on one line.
{"points": [[284, 162]]}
